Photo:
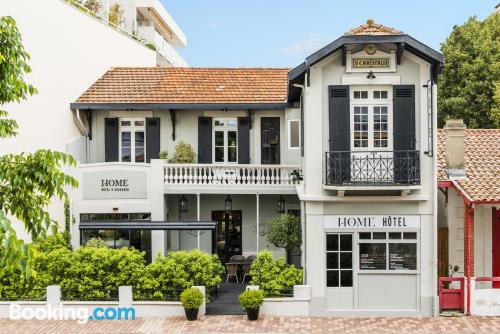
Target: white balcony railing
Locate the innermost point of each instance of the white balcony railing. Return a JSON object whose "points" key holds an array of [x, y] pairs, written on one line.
{"points": [[231, 175]]}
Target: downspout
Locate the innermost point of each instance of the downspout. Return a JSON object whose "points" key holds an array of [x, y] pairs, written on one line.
{"points": [[79, 123], [302, 203]]}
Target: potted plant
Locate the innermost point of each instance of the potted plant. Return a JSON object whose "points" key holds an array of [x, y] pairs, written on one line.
{"points": [[251, 300], [191, 300]]}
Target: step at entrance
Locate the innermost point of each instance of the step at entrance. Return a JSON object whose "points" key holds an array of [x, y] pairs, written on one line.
{"points": [[227, 301]]}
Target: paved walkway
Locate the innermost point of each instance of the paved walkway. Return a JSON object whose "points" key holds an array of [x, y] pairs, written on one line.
{"points": [[227, 301], [239, 324]]}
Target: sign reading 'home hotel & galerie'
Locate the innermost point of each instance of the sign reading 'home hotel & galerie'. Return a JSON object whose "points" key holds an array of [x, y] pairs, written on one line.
{"points": [[371, 222], [118, 184]]}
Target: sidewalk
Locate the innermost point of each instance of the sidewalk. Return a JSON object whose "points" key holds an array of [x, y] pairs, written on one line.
{"points": [[239, 324]]}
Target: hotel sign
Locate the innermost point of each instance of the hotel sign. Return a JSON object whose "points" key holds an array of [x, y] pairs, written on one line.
{"points": [[118, 184], [370, 63], [357, 222]]}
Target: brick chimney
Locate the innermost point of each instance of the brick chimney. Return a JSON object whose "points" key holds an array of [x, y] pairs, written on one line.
{"points": [[455, 148]]}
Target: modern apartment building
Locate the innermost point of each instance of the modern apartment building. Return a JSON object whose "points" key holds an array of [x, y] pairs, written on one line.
{"points": [[346, 140], [69, 48]]}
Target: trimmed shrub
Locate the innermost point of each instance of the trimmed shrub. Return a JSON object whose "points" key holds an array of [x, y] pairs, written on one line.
{"points": [[184, 154], [251, 299], [274, 276], [191, 298]]}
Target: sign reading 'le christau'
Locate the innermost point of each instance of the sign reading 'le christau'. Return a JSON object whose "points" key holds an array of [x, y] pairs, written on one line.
{"points": [[370, 62], [115, 185], [369, 222]]}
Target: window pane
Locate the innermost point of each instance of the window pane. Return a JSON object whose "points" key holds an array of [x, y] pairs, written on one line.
{"points": [[125, 123], [402, 256], [219, 138], [332, 260], [332, 242], [394, 235], [410, 235], [372, 256], [346, 260], [357, 94], [139, 123], [219, 154], [365, 235], [376, 94], [232, 154], [378, 235], [346, 242], [346, 278], [364, 94], [383, 94], [219, 122], [231, 138], [139, 154], [294, 134], [122, 238], [332, 278], [232, 122], [126, 146]]}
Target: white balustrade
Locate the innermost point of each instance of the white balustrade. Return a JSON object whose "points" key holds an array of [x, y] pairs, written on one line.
{"points": [[231, 175]]}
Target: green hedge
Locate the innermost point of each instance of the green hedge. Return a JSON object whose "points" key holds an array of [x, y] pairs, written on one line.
{"points": [[96, 272], [274, 276]]}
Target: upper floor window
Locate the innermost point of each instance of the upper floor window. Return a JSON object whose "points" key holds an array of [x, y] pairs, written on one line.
{"points": [[132, 140], [294, 134], [225, 139], [371, 124]]}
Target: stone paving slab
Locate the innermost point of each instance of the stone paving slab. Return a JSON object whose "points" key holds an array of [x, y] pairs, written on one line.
{"points": [[267, 324]]}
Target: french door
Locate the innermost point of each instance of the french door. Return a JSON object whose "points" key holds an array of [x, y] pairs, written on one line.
{"points": [[339, 270], [132, 140], [228, 234], [371, 139], [225, 139], [270, 140]]}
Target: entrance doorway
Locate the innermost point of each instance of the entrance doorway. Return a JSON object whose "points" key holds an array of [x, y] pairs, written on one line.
{"points": [[228, 234], [495, 241]]}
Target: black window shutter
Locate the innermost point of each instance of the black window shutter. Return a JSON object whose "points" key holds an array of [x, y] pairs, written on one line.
{"points": [[405, 156], [339, 169], [110, 139], [205, 140], [152, 138], [243, 140]]}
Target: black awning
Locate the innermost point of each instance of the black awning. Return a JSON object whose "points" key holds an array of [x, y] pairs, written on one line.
{"points": [[147, 225]]}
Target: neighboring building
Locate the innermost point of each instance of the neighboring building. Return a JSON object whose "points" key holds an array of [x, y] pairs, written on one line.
{"points": [[68, 50], [469, 201], [347, 140]]}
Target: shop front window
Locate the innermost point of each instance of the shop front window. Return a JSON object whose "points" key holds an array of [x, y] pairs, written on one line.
{"points": [[387, 250], [339, 260]]}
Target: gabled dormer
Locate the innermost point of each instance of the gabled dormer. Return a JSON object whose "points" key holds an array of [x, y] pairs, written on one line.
{"points": [[372, 94]]}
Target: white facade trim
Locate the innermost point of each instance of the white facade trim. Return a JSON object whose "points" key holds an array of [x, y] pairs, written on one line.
{"points": [[378, 80]]}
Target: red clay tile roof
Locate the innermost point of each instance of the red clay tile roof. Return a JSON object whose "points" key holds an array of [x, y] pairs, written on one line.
{"points": [[189, 85], [482, 163], [372, 28]]}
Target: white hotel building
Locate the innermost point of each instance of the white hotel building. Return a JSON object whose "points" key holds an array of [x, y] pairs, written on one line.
{"points": [[346, 140]]}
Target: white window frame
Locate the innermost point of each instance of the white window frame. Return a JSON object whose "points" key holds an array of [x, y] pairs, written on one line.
{"points": [[370, 102], [132, 129], [225, 128], [290, 147]]}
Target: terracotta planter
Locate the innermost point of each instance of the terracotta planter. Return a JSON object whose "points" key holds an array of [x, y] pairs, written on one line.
{"points": [[253, 314], [191, 313]]}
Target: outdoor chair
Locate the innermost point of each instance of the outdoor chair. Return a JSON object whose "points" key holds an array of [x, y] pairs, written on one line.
{"points": [[250, 258], [246, 270], [232, 270], [237, 258]]}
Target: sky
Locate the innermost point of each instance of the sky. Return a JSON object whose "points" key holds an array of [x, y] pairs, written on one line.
{"points": [[281, 33]]}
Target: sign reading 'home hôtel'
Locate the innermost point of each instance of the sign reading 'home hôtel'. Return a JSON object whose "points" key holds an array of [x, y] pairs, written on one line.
{"points": [[370, 222], [115, 185]]}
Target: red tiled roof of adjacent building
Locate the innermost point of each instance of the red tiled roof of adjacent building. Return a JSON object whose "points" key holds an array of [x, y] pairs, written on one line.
{"points": [[189, 85], [482, 163], [372, 28]]}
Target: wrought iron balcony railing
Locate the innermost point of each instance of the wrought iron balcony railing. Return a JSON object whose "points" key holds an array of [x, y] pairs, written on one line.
{"points": [[372, 168]]}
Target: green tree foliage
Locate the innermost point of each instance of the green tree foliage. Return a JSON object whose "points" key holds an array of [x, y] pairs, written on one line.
{"points": [[284, 232], [28, 181], [115, 15], [274, 276], [469, 86]]}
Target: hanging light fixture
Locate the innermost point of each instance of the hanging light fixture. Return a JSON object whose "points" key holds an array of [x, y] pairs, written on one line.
{"points": [[183, 204], [281, 204], [228, 203], [371, 76]]}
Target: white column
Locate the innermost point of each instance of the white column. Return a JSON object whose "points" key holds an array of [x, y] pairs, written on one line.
{"points": [[198, 218], [257, 214], [157, 199]]}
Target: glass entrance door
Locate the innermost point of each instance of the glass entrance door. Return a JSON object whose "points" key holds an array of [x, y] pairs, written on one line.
{"points": [[227, 234]]}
